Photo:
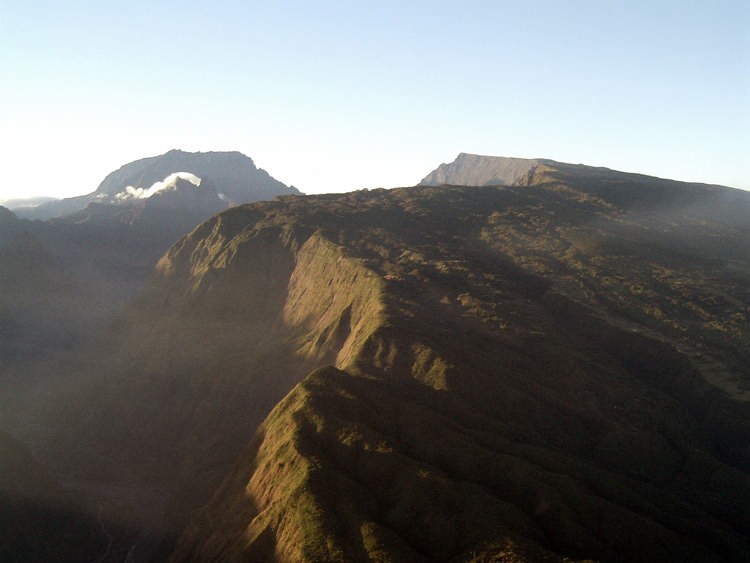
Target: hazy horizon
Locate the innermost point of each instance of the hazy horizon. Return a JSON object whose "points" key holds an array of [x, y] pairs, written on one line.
{"points": [[38, 199], [340, 96]]}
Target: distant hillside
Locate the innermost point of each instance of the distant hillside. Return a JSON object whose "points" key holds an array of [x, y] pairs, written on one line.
{"points": [[544, 372]]}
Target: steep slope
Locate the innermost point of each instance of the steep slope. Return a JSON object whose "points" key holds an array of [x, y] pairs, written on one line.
{"points": [[237, 313], [550, 371]]}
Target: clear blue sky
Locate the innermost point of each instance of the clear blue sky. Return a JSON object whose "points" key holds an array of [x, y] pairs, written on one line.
{"points": [[335, 96]]}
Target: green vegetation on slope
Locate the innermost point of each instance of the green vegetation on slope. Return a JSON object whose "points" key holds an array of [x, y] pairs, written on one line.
{"points": [[515, 396]]}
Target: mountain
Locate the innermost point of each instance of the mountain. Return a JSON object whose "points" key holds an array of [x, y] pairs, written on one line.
{"points": [[65, 278], [157, 217], [233, 176], [549, 371], [108, 241], [478, 170]]}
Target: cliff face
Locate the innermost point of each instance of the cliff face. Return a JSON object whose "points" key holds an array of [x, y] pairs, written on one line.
{"points": [[549, 371]]}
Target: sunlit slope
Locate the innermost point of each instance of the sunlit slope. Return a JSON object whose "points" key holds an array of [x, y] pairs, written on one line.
{"points": [[544, 371], [236, 314]]}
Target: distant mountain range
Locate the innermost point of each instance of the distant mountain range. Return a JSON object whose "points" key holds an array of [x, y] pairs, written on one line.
{"points": [[232, 178]]}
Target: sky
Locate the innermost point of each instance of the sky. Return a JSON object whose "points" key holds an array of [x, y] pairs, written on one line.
{"points": [[333, 96]]}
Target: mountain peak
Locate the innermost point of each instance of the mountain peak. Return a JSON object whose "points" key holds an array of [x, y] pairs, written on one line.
{"points": [[480, 170], [233, 175]]}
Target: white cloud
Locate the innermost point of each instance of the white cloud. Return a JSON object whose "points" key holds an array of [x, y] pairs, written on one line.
{"points": [[167, 183]]}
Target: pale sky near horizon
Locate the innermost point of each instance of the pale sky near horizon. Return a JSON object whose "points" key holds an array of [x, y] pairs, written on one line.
{"points": [[333, 96]]}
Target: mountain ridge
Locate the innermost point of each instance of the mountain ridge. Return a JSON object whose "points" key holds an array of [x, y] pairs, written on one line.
{"points": [[469, 169], [535, 328], [555, 370], [544, 448]]}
